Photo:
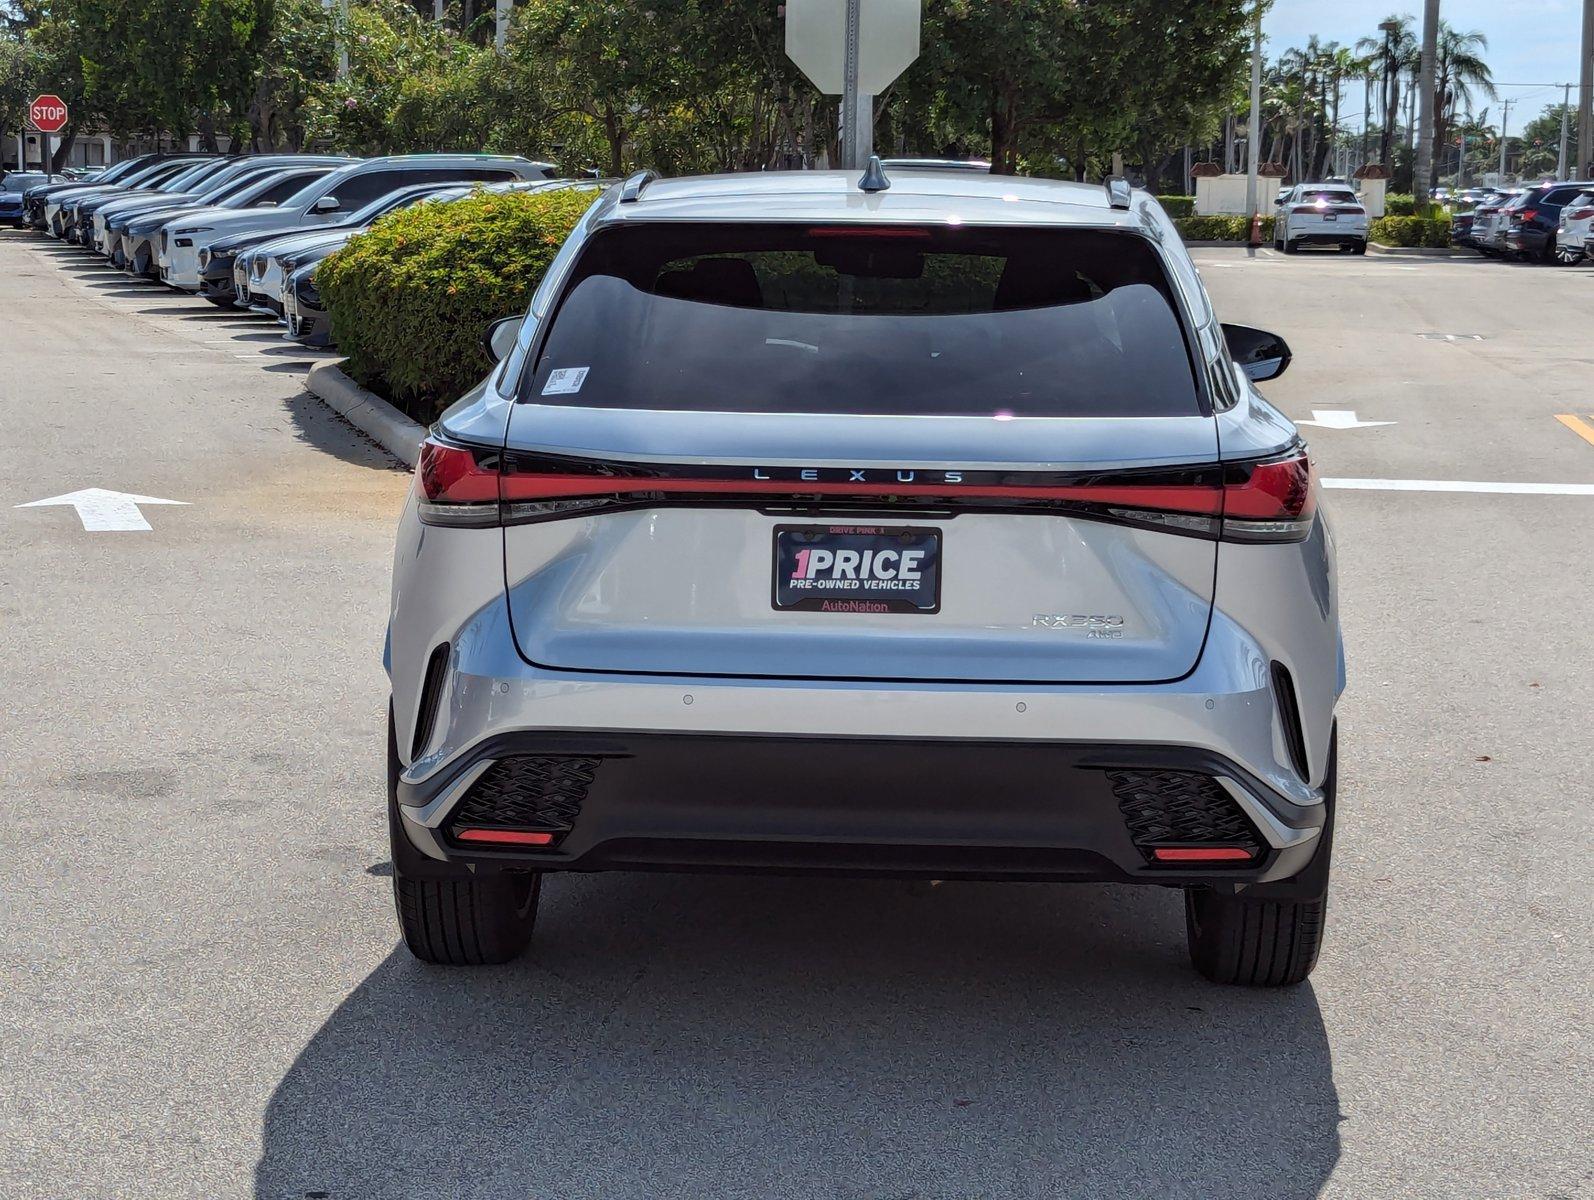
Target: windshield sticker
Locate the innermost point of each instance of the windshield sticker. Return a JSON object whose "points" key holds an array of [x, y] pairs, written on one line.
{"points": [[565, 381]]}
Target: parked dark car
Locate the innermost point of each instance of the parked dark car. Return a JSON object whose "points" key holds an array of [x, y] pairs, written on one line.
{"points": [[11, 188], [1534, 220], [35, 198]]}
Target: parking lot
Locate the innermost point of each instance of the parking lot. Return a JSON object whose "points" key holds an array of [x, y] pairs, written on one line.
{"points": [[207, 999]]}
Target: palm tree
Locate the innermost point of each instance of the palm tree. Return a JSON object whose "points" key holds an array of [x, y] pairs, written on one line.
{"points": [[1393, 50], [1458, 68]]}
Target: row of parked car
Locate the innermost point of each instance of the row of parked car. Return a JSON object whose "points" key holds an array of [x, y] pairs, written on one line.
{"points": [[250, 230], [1547, 222]]}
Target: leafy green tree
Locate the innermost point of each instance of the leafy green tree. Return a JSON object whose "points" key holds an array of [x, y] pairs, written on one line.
{"points": [[1540, 141], [298, 60]]}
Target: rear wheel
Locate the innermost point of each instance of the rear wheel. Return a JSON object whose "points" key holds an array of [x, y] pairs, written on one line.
{"points": [[1263, 943], [1359, 248], [448, 914], [1268, 935], [1288, 247]]}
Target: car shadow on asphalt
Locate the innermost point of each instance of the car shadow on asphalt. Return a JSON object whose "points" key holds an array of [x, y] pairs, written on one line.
{"points": [[317, 425], [722, 1036]]}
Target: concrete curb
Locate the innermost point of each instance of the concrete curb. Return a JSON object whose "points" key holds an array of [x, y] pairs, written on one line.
{"points": [[366, 411], [1418, 251]]}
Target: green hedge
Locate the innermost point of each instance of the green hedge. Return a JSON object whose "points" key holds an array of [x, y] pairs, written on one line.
{"points": [[1398, 204], [1177, 206], [410, 300], [1221, 229], [1410, 231]]}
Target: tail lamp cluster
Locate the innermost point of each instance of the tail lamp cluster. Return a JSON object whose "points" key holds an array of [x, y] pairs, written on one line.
{"points": [[1268, 500]]}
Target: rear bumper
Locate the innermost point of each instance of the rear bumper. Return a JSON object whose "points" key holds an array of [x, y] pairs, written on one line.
{"points": [[1526, 240], [1345, 237], [949, 808]]}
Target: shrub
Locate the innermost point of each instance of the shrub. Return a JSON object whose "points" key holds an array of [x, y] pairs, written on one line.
{"points": [[410, 300], [1397, 204], [1410, 231], [1221, 229], [1177, 206]]}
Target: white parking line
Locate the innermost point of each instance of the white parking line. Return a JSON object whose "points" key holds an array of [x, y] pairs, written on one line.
{"points": [[1457, 485]]}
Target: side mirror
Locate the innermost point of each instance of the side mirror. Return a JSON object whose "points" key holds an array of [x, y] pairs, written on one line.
{"points": [[1260, 354], [325, 205], [499, 340]]}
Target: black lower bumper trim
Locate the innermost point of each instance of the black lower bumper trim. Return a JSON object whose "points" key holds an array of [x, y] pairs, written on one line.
{"points": [[944, 808]]}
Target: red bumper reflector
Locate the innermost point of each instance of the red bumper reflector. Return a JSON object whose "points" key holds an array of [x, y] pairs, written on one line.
{"points": [[504, 837], [1201, 854]]}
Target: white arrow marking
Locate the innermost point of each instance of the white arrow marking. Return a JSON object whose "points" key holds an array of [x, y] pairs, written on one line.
{"points": [[101, 510], [1339, 418]]}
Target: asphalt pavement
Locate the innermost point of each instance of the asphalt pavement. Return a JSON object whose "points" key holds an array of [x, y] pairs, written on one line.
{"points": [[203, 991]]}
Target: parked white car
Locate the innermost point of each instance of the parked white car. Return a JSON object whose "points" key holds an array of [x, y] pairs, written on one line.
{"points": [[1321, 214], [1574, 238], [333, 197]]}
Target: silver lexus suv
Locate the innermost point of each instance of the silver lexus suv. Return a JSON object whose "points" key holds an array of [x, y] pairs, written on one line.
{"points": [[918, 525]]}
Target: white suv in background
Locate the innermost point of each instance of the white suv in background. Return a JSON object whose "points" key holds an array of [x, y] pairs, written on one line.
{"points": [[1576, 230], [1321, 214], [333, 197]]}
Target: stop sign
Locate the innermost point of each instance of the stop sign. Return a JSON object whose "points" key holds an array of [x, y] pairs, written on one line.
{"points": [[48, 113]]}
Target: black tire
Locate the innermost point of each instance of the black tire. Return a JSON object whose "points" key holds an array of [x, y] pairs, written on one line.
{"points": [[450, 915], [469, 922], [1359, 248], [1289, 246], [1270, 934], [1262, 943]]}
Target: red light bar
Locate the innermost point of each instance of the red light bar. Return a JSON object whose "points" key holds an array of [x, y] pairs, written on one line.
{"points": [[1170, 498], [504, 837], [1201, 854], [867, 231]]}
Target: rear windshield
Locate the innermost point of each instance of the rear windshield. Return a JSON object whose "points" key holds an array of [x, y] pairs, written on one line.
{"points": [[942, 321], [1331, 195]]}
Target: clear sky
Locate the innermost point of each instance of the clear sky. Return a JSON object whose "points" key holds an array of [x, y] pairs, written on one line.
{"points": [[1531, 42]]}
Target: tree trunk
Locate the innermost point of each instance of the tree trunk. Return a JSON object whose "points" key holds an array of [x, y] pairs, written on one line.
{"points": [[615, 132], [207, 134], [63, 147], [1228, 144]]}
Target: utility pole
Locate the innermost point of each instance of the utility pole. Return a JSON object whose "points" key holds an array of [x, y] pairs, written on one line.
{"points": [[1585, 97], [1253, 138], [501, 28], [1505, 122], [1422, 181], [1566, 117]]}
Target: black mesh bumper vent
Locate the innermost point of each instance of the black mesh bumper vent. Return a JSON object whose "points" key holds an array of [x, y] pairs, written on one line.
{"points": [[541, 793], [1179, 808]]}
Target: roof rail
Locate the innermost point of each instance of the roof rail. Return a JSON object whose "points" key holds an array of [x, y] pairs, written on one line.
{"points": [[631, 189], [1117, 191]]}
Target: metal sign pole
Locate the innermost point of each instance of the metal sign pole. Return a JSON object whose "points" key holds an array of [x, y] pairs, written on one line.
{"points": [[856, 141]]}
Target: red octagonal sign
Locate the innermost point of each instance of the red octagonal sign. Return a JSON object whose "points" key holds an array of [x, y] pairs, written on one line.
{"points": [[48, 113]]}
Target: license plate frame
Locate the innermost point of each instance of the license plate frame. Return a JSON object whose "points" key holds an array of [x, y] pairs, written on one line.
{"points": [[834, 592]]}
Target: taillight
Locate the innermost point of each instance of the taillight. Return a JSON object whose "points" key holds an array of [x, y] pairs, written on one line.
{"points": [[1582, 214], [1304, 208], [458, 485], [1354, 211], [1269, 501], [1265, 501], [1527, 214]]}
